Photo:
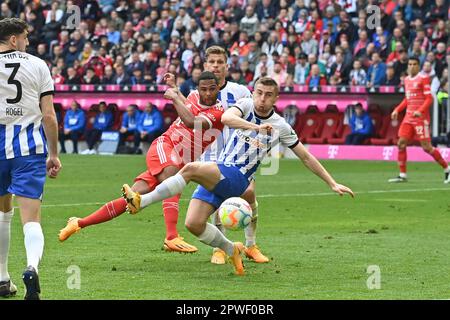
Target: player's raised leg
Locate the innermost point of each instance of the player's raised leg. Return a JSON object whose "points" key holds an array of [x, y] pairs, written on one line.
{"points": [[108, 211], [207, 174], [197, 223], [401, 160], [7, 288], [434, 152]]}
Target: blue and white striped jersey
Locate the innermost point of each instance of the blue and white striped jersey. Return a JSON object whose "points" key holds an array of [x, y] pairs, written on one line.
{"points": [[24, 79], [229, 94], [246, 148]]}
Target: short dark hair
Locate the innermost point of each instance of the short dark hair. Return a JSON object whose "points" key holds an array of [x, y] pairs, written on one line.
{"points": [[207, 75], [11, 27], [415, 59]]}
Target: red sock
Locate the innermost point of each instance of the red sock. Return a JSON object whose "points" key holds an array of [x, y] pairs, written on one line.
{"points": [[402, 156], [107, 212], [438, 157], [170, 208]]}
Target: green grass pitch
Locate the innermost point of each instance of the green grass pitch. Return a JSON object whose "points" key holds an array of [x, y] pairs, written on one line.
{"points": [[320, 244]]}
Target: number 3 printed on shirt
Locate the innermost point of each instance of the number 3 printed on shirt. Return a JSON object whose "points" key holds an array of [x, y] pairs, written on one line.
{"points": [[11, 80]]}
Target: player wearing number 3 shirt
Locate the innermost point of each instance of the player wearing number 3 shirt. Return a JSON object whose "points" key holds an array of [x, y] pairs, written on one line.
{"points": [[416, 123], [26, 153]]}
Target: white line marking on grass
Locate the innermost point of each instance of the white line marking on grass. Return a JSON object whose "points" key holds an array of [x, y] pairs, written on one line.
{"points": [[356, 193], [276, 196], [402, 200]]}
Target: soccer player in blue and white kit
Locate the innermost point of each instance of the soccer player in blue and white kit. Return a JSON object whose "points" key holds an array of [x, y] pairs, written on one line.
{"points": [[257, 129], [26, 112], [230, 92]]}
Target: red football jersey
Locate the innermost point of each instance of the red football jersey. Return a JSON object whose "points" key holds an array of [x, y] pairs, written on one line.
{"points": [[417, 90], [191, 143]]}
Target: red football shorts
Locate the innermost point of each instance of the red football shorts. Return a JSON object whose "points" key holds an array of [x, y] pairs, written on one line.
{"points": [[160, 155], [419, 131]]}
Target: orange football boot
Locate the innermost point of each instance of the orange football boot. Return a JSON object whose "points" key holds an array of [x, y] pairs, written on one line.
{"points": [[71, 228], [179, 245], [236, 259], [255, 254]]}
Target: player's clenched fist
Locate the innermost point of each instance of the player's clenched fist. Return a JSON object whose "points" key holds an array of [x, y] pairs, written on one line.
{"points": [[169, 79], [171, 94]]}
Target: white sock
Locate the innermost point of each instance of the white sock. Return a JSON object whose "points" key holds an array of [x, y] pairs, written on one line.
{"points": [[5, 235], [215, 220], [250, 231], [214, 238], [34, 243], [166, 189], [402, 175]]}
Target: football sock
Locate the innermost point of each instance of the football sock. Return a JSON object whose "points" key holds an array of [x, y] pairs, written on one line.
{"points": [[34, 243], [250, 230], [107, 212], [438, 157], [170, 209], [214, 238], [5, 235], [402, 157], [166, 189], [216, 221]]}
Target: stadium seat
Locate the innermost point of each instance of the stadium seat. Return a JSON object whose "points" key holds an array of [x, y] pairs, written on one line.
{"points": [[117, 116], [330, 124], [388, 132], [342, 133], [331, 108], [90, 116], [309, 126], [169, 115]]}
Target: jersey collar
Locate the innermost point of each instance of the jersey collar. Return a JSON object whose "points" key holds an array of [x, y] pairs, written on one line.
{"points": [[266, 117], [7, 51], [224, 85]]}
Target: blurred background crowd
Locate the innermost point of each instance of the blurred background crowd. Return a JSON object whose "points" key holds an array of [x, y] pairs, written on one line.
{"points": [[302, 42]]}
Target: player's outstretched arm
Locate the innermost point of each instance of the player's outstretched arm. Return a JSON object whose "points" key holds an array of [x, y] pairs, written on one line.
{"points": [[233, 119], [314, 165], [51, 132]]}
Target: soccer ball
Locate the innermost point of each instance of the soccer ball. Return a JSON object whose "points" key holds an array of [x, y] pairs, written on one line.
{"points": [[235, 213]]}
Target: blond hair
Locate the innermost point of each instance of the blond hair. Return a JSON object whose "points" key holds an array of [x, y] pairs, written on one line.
{"points": [[215, 50], [267, 81]]}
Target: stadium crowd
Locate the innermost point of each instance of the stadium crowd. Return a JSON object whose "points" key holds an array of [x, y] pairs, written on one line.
{"points": [[295, 42]]}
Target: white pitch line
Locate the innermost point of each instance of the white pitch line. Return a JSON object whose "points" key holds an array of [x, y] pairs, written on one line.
{"points": [[402, 200], [273, 196]]}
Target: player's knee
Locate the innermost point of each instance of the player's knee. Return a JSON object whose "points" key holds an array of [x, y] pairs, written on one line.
{"points": [[167, 172], [194, 227], [401, 145], [428, 149], [190, 169]]}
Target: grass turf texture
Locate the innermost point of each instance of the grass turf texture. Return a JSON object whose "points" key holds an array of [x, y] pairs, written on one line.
{"points": [[320, 245]]}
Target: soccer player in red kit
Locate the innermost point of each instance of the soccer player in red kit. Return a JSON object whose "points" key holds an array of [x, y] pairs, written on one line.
{"points": [[198, 125], [416, 123]]}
